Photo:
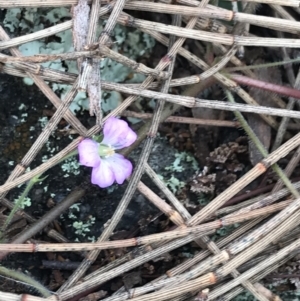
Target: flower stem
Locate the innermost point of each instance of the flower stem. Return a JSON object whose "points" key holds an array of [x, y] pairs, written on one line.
{"points": [[20, 200], [71, 154], [260, 146], [24, 278], [29, 186], [266, 65]]}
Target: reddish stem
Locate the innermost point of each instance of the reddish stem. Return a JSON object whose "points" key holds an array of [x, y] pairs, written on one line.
{"points": [[287, 91]]}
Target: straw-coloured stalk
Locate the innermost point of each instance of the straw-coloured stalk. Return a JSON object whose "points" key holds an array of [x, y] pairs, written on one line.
{"points": [[143, 240], [261, 228]]}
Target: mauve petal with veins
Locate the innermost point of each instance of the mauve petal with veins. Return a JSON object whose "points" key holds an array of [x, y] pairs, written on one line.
{"points": [[103, 175], [120, 166], [117, 133], [88, 153], [115, 167]]}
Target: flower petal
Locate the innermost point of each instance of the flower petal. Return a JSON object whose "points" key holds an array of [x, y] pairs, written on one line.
{"points": [[121, 167], [103, 175], [117, 133], [88, 153]]}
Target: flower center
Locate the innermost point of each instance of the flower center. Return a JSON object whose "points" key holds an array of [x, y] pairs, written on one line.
{"points": [[105, 150]]}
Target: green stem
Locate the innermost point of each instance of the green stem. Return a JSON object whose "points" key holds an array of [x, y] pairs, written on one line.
{"points": [[266, 65], [14, 274], [29, 186], [71, 154], [261, 148], [24, 278], [20, 201]]}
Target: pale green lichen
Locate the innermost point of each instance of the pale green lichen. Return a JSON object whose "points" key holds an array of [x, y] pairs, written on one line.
{"points": [[26, 202], [76, 207], [71, 165], [183, 157], [82, 228], [92, 238], [131, 43], [174, 184], [182, 161], [12, 19]]}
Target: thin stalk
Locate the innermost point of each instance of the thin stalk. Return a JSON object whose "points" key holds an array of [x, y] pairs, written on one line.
{"points": [[265, 65], [24, 278], [261, 148], [44, 221], [244, 80], [24, 194], [20, 200]]}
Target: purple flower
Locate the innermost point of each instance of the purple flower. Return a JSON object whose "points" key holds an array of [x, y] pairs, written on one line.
{"points": [[108, 166]]}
